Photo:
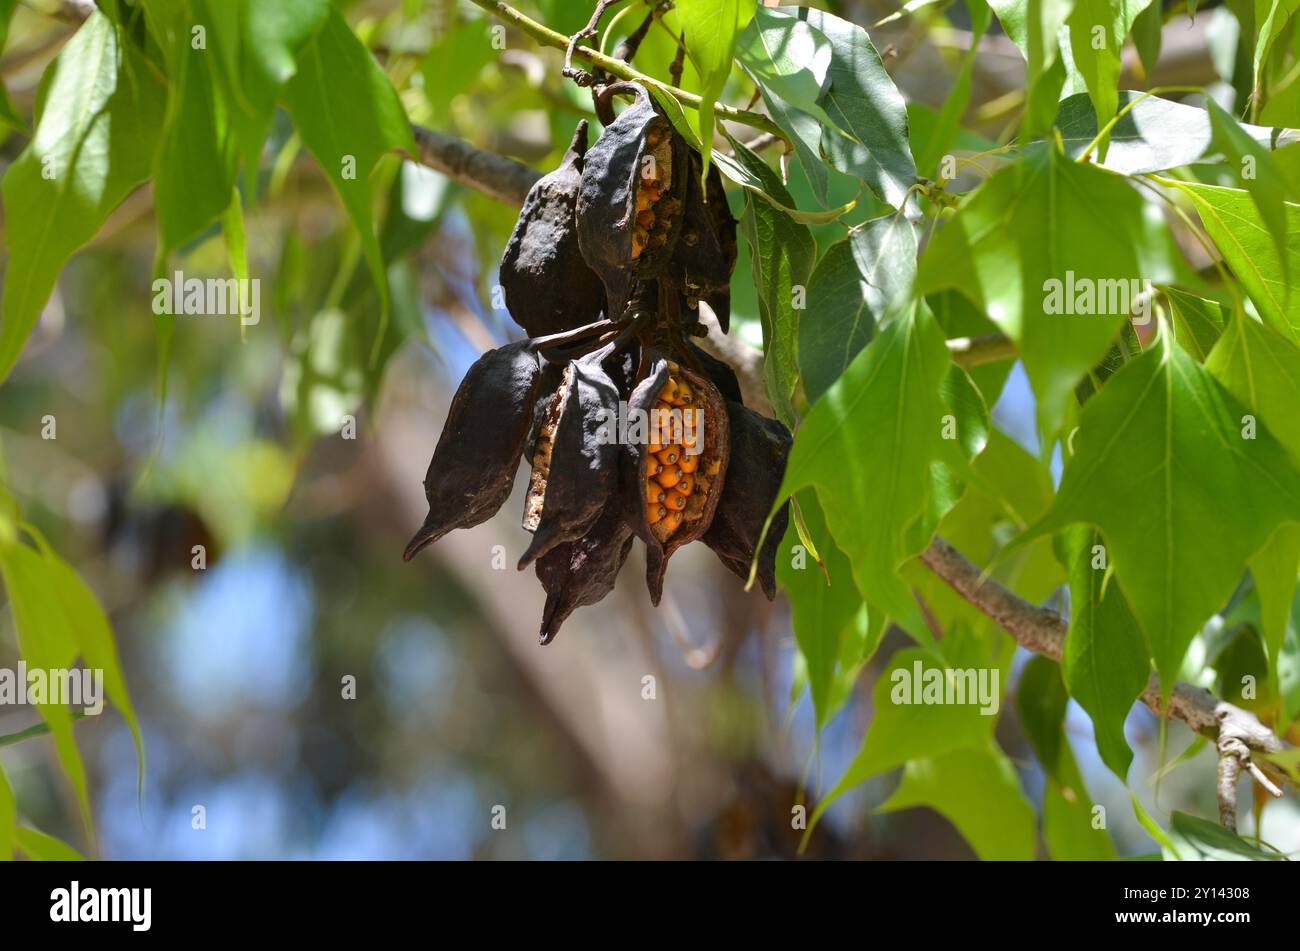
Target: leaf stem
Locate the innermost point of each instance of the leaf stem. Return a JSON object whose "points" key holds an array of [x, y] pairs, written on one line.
{"points": [[615, 67], [39, 729], [1106, 129]]}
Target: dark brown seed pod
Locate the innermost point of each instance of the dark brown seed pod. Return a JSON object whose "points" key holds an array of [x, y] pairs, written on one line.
{"points": [[759, 449], [581, 572], [630, 208], [474, 463], [705, 254], [548, 285], [575, 457], [719, 373], [700, 468]]}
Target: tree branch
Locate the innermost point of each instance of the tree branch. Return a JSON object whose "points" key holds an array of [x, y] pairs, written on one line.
{"points": [[548, 37], [495, 175]]}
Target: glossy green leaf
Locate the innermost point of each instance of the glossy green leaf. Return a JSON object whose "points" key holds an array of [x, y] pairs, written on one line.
{"points": [[1030, 234], [710, 28], [1105, 664], [1233, 222], [98, 114], [1181, 489], [1035, 26], [1198, 323], [1153, 135], [868, 446], [787, 58], [851, 292], [1097, 32], [862, 100], [977, 790], [1254, 167], [1261, 369]]}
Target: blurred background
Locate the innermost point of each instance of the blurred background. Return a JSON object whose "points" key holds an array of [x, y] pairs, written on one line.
{"points": [[239, 670]]}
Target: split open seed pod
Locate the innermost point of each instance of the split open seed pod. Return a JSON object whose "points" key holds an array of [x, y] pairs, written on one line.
{"points": [[672, 479], [759, 448], [473, 466], [548, 285], [705, 254], [574, 457], [583, 571], [630, 202]]}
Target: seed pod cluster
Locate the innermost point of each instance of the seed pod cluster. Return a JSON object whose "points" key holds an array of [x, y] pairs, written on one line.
{"points": [[631, 430]]}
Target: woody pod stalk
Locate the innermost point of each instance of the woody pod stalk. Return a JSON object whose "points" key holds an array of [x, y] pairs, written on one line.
{"points": [[608, 262]]}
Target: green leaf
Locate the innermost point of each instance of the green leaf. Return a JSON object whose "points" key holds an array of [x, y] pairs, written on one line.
{"points": [[1034, 26], [868, 446], [977, 790], [1254, 167], [257, 48], [45, 641], [754, 175], [782, 254], [826, 612], [1197, 840], [93, 635], [195, 165], [1105, 663], [1232, 220], [1147, 29], [1097, 32], [1261, 369], [98, 111], [787, 59], [349, 116], [1274, 569], [998, 251], [902, 729], [1183, 500], [710, 28], [45, 848], [852, 290], [1153, 135], [1271, 26], [1198, 323], [862, 100], [929, 149], [1067, 808]]}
